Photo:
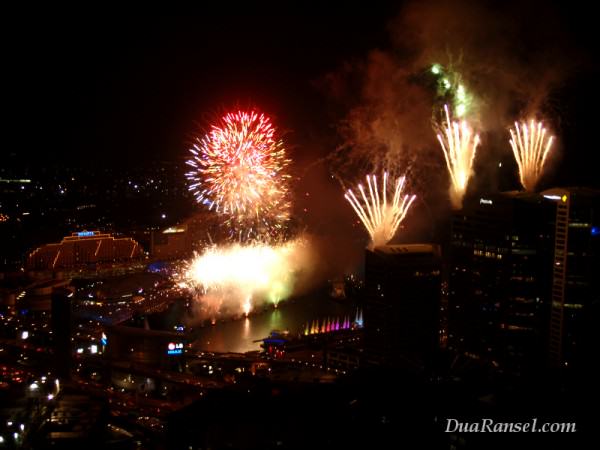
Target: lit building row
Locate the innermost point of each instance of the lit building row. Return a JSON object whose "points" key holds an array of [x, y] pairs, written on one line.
{"points": [[84, 248]]}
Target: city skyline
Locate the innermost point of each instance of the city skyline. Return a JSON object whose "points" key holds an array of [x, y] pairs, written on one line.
{"points": [[298, 226]]}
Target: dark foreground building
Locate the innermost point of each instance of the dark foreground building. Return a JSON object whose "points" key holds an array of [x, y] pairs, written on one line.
{"points": [[401, 315], [62, 325]]}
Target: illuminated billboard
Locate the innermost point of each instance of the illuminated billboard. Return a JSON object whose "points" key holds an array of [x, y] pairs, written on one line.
{"points": [[175, 348]]}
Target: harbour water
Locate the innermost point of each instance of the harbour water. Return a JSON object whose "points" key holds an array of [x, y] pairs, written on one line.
{"points": [[240, 335]]}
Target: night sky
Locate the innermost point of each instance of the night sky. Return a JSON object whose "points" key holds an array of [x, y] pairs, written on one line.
{"points": [[136, 88], [140, 87]]}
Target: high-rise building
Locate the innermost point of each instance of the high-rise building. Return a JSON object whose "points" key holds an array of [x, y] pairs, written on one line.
{"points": [[499, 276], [401, 314], [508, 271]]}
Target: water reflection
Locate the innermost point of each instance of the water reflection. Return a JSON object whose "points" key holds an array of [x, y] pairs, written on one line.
{"points": [[244, 335]]}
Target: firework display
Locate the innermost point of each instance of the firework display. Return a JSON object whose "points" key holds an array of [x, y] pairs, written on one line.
{"points": [[380, 217], [531, 146], [459, 144], [239, 169], [234, 278]]}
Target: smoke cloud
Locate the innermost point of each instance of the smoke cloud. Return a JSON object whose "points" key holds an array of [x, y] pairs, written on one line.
{"points": [[510, 56]]}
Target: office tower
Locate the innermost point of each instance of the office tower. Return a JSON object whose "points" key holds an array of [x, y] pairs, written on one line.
{"points": [[515, 279]]}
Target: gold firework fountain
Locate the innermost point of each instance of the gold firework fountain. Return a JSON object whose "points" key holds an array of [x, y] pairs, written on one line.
{"points": [[380, 217], [531, 145], [459, 144]]}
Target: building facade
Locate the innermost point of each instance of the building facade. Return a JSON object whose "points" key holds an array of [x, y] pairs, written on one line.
{"points": [[575, 275], [84, 248], [515, 279]]}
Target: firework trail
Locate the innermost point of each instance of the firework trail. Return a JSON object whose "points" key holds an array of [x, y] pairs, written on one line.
{"points": [[380, 218], [530, 145], [239, 169], [459, 144]]}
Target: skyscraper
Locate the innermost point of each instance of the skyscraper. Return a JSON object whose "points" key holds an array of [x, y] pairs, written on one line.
{"points": [[510, 265]]}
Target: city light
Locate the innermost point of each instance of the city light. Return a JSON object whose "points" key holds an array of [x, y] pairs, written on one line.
{"points": [[175, 348], [172, 230], [18, 181], [552, 197]]}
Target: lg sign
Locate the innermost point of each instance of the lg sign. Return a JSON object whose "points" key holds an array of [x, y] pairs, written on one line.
{"points": [[175, 348]]}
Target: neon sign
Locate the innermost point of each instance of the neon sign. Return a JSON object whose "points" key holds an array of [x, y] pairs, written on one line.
{"points": [[175, 348]]}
